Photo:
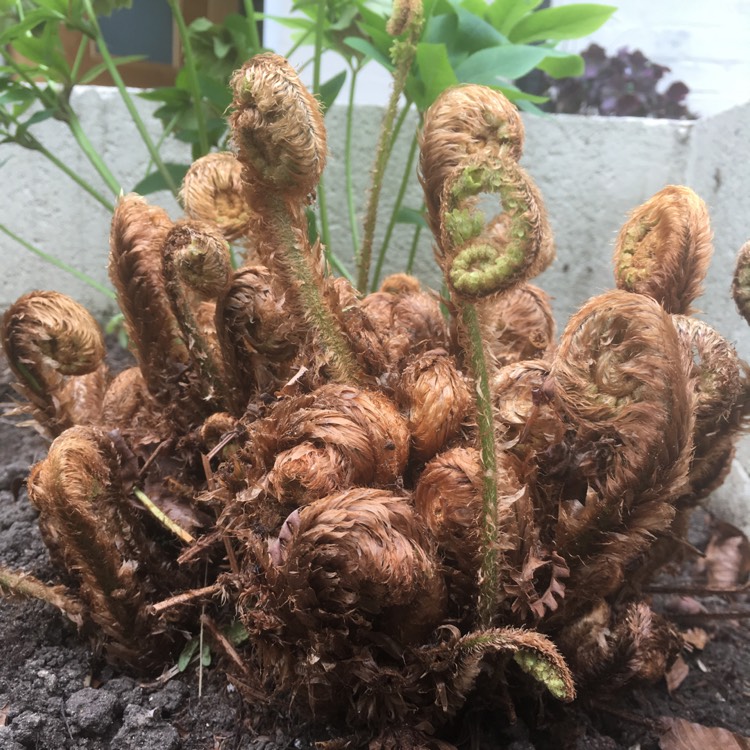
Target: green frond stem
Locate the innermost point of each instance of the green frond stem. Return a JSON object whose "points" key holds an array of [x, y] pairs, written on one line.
{"points": [[403, 53], [163, 518], [60, 104], [252, 25], [35, 145], [414, 246], [25, 586], [405, 179], [93, 283], [303, 275], [127, 99], [488, 571], [353, 226], [192, 76]]}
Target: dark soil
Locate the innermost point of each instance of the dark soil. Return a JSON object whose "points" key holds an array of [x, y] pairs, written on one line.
{"points": [[55, 693]]}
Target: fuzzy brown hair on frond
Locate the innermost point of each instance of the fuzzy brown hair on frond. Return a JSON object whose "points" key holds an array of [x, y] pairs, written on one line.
{"points": [[212, 190], [471, 142], [664, 248], [278, 128], [56, 350], [620, 380], [741, 281], [92, 530]]}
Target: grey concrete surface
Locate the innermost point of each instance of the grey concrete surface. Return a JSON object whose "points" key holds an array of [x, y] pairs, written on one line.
{"points": [[591, 171]]}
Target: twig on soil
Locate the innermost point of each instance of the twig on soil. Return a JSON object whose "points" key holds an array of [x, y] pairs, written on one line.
{"points": [[697, 590], [25, 586], [184, 598]]}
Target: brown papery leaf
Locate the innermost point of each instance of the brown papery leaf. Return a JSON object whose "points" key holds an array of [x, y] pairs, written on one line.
{"points": [[680, 734], [727, 557], [677, 674], [696, 638]]}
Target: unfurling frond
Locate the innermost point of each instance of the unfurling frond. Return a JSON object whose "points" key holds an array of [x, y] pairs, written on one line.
{"points": [[278, 128], [212, 190], [664, 248], [56, 350]]}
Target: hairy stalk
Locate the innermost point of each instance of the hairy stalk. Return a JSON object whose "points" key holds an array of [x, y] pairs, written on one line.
{"points": [[25, 586], [396, 207], [101, 45], [344, 365], [488, 571], [93, 283], [192, 76], [403, 53]]}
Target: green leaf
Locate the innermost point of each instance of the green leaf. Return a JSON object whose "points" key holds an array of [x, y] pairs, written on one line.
{"points": [[411, 216], [369, 51], [155, 181], [565, 22], [474, 33], [510, 61], [31, 21], [60, 6], [330, 90], [206, 655], [436, 72], [200, 25], [187, 654], [380, 38], [92, 73], [236, 633], [505, 14], [570, 66]]}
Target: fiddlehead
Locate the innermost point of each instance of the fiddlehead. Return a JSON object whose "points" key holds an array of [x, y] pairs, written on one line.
{"points": [[471, 142], [212, 190], [197, 268], [278, 128], [56, 350], [664, 248]]}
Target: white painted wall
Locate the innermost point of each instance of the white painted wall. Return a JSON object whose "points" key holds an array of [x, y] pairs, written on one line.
{"points": [[704, 43]]}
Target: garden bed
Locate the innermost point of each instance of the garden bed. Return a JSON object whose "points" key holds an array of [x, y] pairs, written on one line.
{"points": [[55, 693]]}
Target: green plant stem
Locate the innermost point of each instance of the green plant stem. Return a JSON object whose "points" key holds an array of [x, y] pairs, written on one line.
{"points": [[383, 152], [92, 154], [405, 178], [348, 160], [304, 275], [325, 230], [252, 24], [68, 115], [488, 571], [59, 264], [77, 179], [192, 76], [414, 246], [127, 99], [79, 58], [302, 40]]}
